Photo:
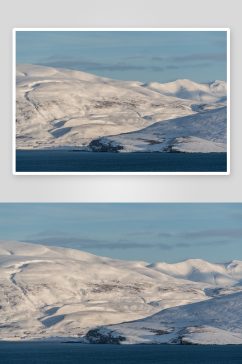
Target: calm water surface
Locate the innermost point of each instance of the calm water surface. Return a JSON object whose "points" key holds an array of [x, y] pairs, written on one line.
{"points": [[58, 353], [69, 161]]}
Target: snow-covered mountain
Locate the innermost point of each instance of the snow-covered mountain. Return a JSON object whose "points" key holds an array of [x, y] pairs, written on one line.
{"points": [[212, 322], [205, 132], [60, 108], [60, 293], [185, 89]]}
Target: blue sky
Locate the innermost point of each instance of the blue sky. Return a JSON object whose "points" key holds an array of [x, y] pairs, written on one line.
{"points": [[148, 232], [144, 56]]}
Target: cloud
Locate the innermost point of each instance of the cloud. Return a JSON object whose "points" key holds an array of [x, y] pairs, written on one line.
{"points": [[57, 240], [118, 68], [141, 233], [217, 57], [173, 67], [165, 235], [76, 241], [135, 57], [85, 244], [48, 233], [234, 233], [56, 57], [157, 69], [157, 58], [67, 239], [200, 65], [79, 63], [183, 245], [164, 246], [120, 245], [203, 243], [69, 62], [218, 242], [230, 233]]}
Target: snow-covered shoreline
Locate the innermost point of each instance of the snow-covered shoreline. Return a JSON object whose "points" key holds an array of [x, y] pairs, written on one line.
{"points": [[68, 149]]}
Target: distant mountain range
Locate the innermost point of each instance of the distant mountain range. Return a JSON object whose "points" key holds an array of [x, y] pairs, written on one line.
{"points": [[53, 293], [66, 109]]}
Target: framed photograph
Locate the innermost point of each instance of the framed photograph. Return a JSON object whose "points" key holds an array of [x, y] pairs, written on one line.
{"points": [[121, 101]]}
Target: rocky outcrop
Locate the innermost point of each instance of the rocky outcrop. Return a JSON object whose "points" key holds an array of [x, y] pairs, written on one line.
{"points": [[98, 337], [98, 146]]}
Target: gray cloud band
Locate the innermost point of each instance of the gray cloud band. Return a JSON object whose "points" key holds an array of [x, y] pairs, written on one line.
{"points": [[217, 57], [61, 61]]}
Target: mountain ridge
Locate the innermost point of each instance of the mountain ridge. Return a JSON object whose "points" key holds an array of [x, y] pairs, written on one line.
{"points": [[68, 109], [55, 293]]}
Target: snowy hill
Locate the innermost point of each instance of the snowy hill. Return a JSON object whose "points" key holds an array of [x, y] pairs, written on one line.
{"points": [[59, 108], [197, 270], [212, 322], [60, 293], [185, 89], [205, 132]]}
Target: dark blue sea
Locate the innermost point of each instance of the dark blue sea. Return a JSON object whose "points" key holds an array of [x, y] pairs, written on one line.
{"points": [[71, 161], [58, 353]]}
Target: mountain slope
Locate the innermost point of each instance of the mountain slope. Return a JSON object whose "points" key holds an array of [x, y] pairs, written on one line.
{"points": [[205, 132], [58, 108], [213, 322], [53, 292], [198, 270], [185, 89]]}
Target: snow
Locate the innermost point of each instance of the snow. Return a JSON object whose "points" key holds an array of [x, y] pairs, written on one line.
{"points": [[198, 270], [67, 109], [204, 132], [58, 293], [213, 322], [186, 89]]}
